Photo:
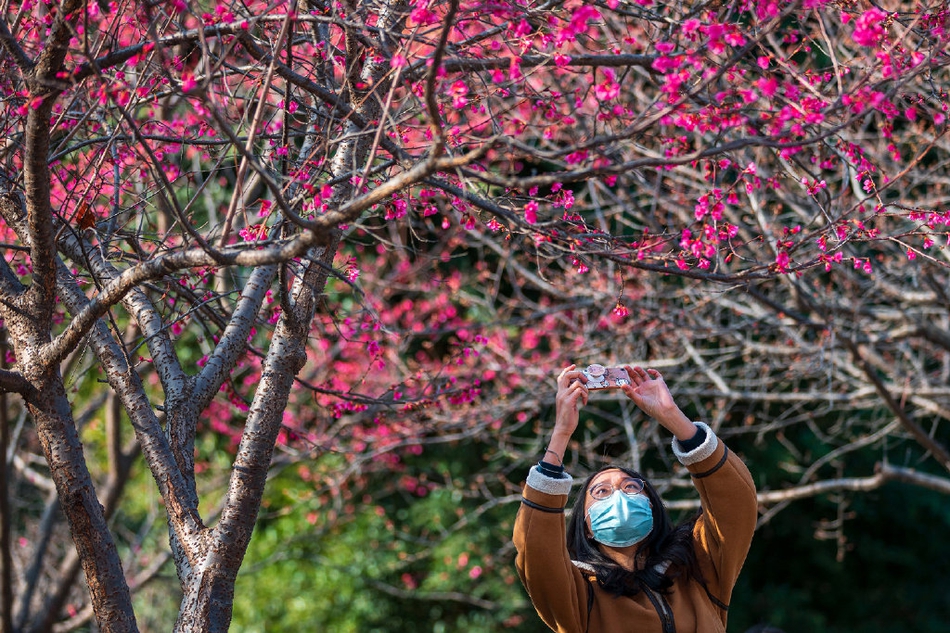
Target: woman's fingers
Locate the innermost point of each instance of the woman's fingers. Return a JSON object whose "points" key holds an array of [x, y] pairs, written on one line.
{"points": [[567, 374], [582, 390], [639, 375], [570, 375], [578, 389]]}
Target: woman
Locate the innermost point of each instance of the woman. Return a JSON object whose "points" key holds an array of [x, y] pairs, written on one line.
{"points": [[621, 566]]}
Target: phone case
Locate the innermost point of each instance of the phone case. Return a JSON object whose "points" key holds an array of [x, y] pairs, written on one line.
{"points": [[601, 377]]}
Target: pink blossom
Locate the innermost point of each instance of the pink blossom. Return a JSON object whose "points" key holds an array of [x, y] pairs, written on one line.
{"points": [[459, 92], [782, 262], [523, 28], [664, 64], [735, 39], [869, 28], [608, 88], [254, 232], [767, 86], [531, 212]]}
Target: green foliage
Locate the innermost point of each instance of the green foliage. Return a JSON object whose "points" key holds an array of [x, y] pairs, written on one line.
{"points": [[417, 551]]}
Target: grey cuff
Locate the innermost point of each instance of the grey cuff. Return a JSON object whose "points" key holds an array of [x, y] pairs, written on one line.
{"points": [[550, 485], [701, 452]]}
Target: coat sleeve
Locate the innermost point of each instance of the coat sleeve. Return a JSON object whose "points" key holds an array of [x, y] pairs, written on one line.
{"points": [[556, 587], [723, 532]]}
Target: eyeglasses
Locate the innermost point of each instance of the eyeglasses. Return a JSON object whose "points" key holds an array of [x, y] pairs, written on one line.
{"points": [[602, 490]]}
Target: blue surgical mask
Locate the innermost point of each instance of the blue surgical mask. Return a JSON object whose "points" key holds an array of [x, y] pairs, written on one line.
{"points": [[621, 520]]}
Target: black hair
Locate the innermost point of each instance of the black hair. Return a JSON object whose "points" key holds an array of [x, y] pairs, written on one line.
{"points": [[667, 545]]}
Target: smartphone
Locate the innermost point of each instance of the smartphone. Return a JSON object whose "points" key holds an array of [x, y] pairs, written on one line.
{"points": [[602, 377]]}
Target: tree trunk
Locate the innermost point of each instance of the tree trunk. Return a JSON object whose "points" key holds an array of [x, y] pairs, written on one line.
{"points": [[109, 592], [209, 590]]}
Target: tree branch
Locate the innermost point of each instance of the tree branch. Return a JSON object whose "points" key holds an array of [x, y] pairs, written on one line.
{"points": [[468, 64], [939, 451], [127, 385], [233, 341], [13, 49], [14, 382], [127, 281], [885, 473]]}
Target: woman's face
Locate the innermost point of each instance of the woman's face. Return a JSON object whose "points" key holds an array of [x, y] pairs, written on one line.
{"points": [[603, 485]]}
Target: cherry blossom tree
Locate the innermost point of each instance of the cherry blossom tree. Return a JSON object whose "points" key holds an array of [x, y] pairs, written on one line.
{"points": [[366, 227]]}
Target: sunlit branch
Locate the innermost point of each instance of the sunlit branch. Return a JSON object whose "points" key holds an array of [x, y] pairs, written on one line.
{"points": [[116, 289], [233, 341], [885, 473], [353, 209], [128, 387], [39, 219]]}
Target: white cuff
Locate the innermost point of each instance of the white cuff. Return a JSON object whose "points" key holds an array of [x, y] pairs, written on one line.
{"points": [[701, 452], [550, 485]]}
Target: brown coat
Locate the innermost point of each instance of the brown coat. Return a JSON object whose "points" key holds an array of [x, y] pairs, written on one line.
{"points": [[723, 533]]}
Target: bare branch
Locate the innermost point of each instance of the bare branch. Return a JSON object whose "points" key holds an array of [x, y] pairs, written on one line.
{"points": [[120, 286], [885, 473], [14, 382], [233, 341], [13, 49]]}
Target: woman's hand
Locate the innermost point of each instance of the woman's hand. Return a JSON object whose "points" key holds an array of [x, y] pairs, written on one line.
{"points": [[572, 394], [648, 391]]}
